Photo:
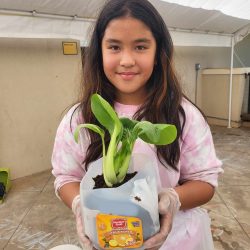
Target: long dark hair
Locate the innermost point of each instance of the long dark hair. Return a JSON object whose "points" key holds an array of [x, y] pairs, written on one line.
{"points": [[164, 94]]}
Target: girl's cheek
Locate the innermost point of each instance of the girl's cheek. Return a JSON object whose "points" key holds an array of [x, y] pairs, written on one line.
{"points": [[109, 62]]}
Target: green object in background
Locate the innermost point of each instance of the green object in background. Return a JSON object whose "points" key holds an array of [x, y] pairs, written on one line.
{"points": [[4, 182]]}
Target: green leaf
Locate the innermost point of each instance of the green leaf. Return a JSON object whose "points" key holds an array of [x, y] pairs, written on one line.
{"points": [[124, 151], [107, 116], [93, 127], [124, 168], [158, 134], [128, 126], [104, 113], [108, 173], [128, 123]]}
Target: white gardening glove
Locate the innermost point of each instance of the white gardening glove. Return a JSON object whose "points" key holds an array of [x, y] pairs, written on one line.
{"points": [[76, 208], [168, 205]]}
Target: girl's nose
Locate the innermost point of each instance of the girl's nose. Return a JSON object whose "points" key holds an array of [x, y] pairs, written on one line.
{"points": [[127, 59]]}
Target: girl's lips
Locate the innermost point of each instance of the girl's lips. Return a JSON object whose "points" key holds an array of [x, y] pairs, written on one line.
{"points": [[127, 75]]}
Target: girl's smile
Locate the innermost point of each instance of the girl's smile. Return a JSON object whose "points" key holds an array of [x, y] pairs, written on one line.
{"points": [[128, 49], [126, 76]]}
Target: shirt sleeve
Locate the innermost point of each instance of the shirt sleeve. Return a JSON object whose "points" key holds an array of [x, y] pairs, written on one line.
{"points": [[67, 155], [198, 159]]}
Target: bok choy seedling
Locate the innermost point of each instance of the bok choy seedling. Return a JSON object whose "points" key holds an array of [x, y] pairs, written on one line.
{"points": [[123, 134]]}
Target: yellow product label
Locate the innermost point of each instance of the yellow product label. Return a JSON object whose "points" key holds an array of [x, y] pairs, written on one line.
{"points": [[114, 231]]}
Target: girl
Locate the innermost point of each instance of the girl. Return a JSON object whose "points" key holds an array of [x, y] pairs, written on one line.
{"points": [[130, 63]]}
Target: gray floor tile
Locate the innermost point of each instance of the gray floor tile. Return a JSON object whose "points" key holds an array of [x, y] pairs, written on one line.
{"points": [[12, 212], [34, 182], [33, 218], [49, 223], [238, 202], [235, 174], [228, 235], [226, 230]]}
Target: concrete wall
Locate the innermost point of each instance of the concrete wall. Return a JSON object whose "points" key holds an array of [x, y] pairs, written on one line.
{"points": [[215, 98], [187, 57], [37, 82], [208, 57]]}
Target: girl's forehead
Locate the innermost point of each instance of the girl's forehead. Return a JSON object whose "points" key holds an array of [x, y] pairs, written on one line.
{"points": [[127, 27]]}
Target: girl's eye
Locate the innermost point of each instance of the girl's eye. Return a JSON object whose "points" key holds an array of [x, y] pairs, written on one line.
{"points": [[140, 47], [114, 47]]}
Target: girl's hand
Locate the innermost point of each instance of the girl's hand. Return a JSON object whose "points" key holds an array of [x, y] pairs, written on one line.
{"points": [[169, 204], [84, 240]]}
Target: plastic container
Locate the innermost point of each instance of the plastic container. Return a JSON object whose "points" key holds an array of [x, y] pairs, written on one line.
{"points": [[136, 198], [214, 95]]}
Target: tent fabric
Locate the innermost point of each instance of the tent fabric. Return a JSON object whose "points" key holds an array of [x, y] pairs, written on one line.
{"points": [[191, 23], [239, 8], [43, 27]]}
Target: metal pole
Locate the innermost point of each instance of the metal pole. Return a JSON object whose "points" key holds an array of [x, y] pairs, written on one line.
{"points": [[231, 84], [197, 68]]}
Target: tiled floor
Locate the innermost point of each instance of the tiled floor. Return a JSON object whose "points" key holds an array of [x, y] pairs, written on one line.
{"points": [[32, 217]]}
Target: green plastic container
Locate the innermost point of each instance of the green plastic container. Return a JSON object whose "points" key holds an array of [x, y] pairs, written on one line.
{"points": [[5, 179]]}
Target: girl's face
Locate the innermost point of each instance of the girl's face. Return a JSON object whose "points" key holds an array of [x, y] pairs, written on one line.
{"points": [[128, 50]]}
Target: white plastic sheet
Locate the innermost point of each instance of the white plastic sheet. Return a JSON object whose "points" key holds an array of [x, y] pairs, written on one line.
{"points": [[121, 200], [193, 19]]}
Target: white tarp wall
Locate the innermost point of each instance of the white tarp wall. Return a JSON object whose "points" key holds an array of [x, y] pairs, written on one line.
{"points": [[201, 23]]}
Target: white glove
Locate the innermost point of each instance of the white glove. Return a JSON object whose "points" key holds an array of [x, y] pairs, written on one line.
{"points": [[169, 204], [76, 208]]}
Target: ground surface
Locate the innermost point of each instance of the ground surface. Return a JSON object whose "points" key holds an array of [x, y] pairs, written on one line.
{"points": [[32, 217]]}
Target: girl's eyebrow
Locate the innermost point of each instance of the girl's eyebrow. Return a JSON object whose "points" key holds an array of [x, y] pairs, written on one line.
{"points": [[140, 40], [111, 40]]}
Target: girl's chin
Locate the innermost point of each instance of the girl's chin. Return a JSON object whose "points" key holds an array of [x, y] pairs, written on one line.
{"points": [[129, 98]]}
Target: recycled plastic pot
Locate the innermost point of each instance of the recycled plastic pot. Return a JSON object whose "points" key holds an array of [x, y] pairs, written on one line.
{"points": [[136, 198]]}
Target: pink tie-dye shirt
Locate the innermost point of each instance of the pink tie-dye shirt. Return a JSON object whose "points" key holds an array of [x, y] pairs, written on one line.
{"points": [[198, 160]]}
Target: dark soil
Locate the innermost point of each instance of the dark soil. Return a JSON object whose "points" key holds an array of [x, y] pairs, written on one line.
{"points": [[100, 183]]}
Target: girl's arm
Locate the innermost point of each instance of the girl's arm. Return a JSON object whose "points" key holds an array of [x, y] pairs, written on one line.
{"points": [[67, 157], [68, 192], [194, 193]]}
